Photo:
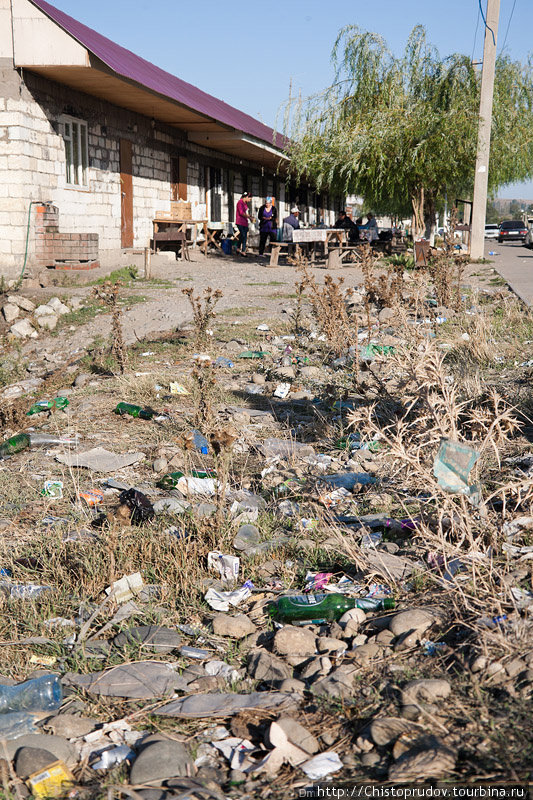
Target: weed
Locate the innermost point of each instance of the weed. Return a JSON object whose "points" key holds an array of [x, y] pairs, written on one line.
{"points": [[125, 275], [108, 295], [329, 310], [203, 311]]}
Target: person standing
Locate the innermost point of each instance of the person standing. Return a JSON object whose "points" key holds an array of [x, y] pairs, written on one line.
{"points": [[268, 224], [242, 217]]}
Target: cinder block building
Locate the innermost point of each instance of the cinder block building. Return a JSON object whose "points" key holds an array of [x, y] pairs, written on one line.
{"points": [[95, 140]]}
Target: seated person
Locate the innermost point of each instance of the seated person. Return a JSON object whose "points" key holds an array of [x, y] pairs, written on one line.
{"points": [[290, 224], [371, 228], [348, 224]]}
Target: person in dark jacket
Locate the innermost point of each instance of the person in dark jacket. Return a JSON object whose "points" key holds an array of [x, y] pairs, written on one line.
{"points": [[344, 222], [268, 224], [290, 224]]}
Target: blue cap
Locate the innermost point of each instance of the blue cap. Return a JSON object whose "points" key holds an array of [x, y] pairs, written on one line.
{"points": [[269, 199]]}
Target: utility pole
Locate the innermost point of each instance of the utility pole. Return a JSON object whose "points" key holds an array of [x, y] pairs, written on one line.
{"points": [[481, 178]]}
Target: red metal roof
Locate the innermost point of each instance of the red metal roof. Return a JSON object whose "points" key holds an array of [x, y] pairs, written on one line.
{"points": [[128, 65]]}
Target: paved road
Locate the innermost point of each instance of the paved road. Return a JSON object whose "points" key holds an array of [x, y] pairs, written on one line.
{"points": [[514, 262]]}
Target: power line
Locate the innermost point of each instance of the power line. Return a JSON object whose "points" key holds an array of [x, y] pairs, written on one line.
{"points": [[508, 25], [475, 35]]}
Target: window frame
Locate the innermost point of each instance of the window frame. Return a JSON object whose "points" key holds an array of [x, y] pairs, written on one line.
{"points": [[75, 135]]}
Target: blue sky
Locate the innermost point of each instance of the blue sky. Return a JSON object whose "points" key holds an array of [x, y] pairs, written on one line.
{"points": [[249, 53]]}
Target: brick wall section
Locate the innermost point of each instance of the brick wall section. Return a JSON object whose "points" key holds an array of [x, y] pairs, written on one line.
{"points": [[52, 246]]}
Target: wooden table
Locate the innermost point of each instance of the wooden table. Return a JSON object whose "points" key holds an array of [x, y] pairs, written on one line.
{"points": [[181, 226], [213, 232]]}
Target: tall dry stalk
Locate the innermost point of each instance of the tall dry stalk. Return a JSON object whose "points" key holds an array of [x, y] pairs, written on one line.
{"points": [[203, 311], [108, 294]]}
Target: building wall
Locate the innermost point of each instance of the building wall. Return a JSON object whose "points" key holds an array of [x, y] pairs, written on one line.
{"points": [[32, 168]]}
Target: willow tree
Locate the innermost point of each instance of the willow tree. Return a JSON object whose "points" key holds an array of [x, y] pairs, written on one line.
{"points": [[402, 131]]}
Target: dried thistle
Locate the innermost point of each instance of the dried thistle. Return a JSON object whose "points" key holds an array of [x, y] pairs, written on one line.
{"points": [[107, 294], [203, 310]]}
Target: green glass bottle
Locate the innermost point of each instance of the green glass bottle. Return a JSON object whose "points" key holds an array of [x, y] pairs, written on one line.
{"points": [[308, 608], [47, 405], [134, 411], [14, 445], [170, 480]]}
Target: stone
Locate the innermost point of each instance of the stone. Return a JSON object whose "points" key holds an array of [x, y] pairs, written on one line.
{"points": [[365, 653], [22, 302], [150, 638], [58, 307], [298, 735], [292, 685], [32, 759], [286, 372], [43, 311], [515, 667], [23, 330], [415, 619], [236, 627], [328, 738], [60, 748], [76, 303], [313, 373], [370, 759], [425, 691], [479, 664], [160, 465], [265, 666], [216, 705], [159, 760], [384, 730], [10, 312], [316, 668], [205, 510], [291, 640], [70, 726], [258, 379], [427, 758], [353, 615], [170, 505], [48, 321], [82, 380], [326, 644], [385, 638], [385, 315], [339, 684], [247, 536]]}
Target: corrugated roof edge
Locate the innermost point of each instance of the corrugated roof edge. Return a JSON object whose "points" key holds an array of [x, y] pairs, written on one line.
{"points": [[129, 65]]}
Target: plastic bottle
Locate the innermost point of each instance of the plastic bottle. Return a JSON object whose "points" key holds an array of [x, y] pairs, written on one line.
{"points": [[134, 411], [170, 480], [16, 723], [39, 694], [47, 405], [200, 442], [302, 608], [14, 445]]}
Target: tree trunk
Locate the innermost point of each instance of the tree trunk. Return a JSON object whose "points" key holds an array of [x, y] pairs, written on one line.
{"points": [[430, 218], [417, 202]]}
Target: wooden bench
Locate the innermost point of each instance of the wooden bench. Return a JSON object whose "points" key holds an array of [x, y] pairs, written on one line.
{"points": [[275, 249], [171, 236], [336, 255]]}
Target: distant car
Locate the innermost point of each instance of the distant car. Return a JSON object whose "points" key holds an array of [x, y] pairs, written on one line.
{"points": [[491, 231], [512, 229]]}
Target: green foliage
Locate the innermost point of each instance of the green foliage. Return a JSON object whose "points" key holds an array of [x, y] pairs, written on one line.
{"points": [[125, 275], [402, 131]]}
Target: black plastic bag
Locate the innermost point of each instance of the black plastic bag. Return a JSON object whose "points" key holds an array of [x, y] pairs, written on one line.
{"points": [[141, 508]]}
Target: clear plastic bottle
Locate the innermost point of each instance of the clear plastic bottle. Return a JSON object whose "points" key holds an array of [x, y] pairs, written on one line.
{"points": [[39, 694], [16, 723]]}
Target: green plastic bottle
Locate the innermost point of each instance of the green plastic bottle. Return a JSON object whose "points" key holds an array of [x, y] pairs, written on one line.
{"points": [[134, 411], [47, 405], [170, 480], [14, 445], [308, 608]]}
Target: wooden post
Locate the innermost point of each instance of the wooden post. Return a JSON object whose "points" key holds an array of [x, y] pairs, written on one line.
{"points": [[147, 263]]}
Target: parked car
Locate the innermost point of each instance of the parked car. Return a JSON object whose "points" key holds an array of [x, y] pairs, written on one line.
{"points": [[491, 231], [512, 229]]}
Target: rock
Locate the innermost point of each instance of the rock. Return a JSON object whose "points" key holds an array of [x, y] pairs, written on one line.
{"points": [[58, 307], [384, 730], [415, 619], [247, 536], [298, 735], [385, 315], [70, 726], [515, 667], [370, 759], [236, 627], [76, 303], [286, 372], [150, 638], [59, 747], [236, 777], [170, 505], [265, 666], [32, 759], [326, 644], [339, 684], [353, 615], [427, 758], [205, 510], [10, 312], [160, 465], [160, 759], [82, 380], [43, 311], [258, 379], [292, 685], [23, 330], [425, 691], [385, 638], [313, 373], [44, 278], [48, 321], [479, 664], [316, 668], [365, 653], [328, 738], [22, 302], [291, 640]]}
